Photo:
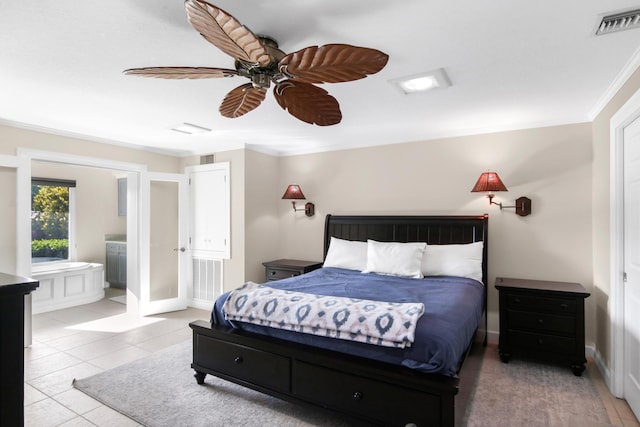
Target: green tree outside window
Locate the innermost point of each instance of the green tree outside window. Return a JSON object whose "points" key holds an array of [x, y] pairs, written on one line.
{"points": [[50, 222]]}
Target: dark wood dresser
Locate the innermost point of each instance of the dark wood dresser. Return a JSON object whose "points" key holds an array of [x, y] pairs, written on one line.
{"points": [[12, 292], [542, 319], [284, 268]]}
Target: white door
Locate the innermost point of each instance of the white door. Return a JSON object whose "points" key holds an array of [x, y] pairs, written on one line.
{"points": [[164, 231], [631, 295]]}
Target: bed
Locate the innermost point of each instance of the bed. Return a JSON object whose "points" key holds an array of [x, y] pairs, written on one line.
{"points": [[363, 382]]}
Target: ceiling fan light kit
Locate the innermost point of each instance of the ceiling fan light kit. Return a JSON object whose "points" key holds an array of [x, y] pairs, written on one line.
{"points": [[258, 58]]}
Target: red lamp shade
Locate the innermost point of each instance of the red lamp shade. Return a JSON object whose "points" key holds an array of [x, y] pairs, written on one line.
{"points": [[488, 182], [293, 192]]}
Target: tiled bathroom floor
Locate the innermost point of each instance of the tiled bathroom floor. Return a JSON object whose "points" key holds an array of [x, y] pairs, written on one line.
{"points": [[82, 341]]}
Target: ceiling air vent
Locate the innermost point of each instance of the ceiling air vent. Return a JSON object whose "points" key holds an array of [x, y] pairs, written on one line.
{"points": [[619, 22]]}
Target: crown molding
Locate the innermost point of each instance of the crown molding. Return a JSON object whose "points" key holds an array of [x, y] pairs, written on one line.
{"points": [[630, 67]]}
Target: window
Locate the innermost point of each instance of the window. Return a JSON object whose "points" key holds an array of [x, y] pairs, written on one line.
{"points": [[52, 220]]}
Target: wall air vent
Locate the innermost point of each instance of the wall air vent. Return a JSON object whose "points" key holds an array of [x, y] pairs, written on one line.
{"points": [[619, 22]]}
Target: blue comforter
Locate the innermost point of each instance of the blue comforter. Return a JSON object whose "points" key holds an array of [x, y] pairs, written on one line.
{"points": [[453, 310]]}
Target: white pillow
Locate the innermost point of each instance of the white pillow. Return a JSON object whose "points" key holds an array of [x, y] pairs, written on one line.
{"points": [[347, 254], [453, 260], [399, 259]]}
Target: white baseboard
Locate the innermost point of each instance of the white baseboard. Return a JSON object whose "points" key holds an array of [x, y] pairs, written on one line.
{"points": [[604, 370], [492, 336], [201, 304]]}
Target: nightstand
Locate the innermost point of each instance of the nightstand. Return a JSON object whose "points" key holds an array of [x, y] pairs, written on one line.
{"points": [[542, 319], [283, 268]]}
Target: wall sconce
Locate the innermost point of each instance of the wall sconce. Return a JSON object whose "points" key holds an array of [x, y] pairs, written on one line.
{"points": [[490, 182], [294, 193]]}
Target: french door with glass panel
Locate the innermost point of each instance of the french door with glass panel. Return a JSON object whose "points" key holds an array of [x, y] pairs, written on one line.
{"points": [[164, 233]]}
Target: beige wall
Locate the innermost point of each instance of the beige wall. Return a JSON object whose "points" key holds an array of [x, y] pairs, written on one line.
{"points": [[601, 214], [8, 220], [11, 138], [552, 166], [262, 224]]}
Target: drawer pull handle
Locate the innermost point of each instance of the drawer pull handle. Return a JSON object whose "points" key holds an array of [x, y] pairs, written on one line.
{"points": [[540, 341], [517, 300], [273, 273], [238, 360], [540, 321], [357, 396], [564, 305]]}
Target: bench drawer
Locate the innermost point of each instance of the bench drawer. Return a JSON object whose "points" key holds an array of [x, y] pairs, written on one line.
{"points": [[245, 363], [362, 396]]}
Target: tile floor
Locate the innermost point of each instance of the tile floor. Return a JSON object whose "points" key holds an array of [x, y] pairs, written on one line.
{"points": [[82, 341]]}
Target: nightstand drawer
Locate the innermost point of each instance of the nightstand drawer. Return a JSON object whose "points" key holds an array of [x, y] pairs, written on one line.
{"points": [[542, 322], [542, 303], [277, 273], [285, 268], [542, 342]]}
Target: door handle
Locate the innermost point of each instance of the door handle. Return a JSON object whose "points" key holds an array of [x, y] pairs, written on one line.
{"points": [[179, 249]]}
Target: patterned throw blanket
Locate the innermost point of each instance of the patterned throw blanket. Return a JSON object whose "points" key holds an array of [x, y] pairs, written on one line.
{"points": [[388, 324]]}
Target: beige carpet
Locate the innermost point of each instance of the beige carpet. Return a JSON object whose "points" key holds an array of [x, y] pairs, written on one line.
{"points": [[529, 393], [160, 390]]}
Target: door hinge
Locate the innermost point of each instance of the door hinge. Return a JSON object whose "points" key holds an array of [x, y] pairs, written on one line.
{"points": [[624, 276]]}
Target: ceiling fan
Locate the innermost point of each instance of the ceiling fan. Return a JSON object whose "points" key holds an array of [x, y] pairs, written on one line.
{"points": [[258, 58]]}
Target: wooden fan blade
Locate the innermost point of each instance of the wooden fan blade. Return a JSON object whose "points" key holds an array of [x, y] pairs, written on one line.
{"points": [[332, 63], [226, 33], [308, 103], [241, 100], [181, 72]]}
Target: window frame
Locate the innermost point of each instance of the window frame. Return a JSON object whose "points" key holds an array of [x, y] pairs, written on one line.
{"points": [[71, 185]]}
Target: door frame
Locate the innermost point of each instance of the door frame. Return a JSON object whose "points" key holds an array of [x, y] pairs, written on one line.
{"points": [[629, 112], [23, 207]]}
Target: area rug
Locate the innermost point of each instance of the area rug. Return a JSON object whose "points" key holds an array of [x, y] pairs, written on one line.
{"points": [[160, 390], [533, 394]]}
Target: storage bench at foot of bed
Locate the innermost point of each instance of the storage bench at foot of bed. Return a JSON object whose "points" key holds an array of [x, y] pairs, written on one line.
{"points": [[360, 389]]}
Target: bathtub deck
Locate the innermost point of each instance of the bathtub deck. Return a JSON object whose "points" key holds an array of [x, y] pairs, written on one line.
{"points": [[64, 288]]}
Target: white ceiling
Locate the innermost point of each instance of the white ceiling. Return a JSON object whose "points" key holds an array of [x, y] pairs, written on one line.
{"points": [[513, 65]]}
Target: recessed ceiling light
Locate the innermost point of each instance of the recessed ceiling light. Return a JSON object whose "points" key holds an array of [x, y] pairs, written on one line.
{"points": [[190, 128], [435, 79]]}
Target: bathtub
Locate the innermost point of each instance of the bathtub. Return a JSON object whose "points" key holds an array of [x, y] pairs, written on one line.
{"points": [[66, 284]]}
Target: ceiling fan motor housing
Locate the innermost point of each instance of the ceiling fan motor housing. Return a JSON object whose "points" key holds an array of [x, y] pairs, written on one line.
{"points": [[261, 77]]}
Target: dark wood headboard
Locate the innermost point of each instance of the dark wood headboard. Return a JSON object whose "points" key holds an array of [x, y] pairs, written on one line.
{"points": [[434, 230]]}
